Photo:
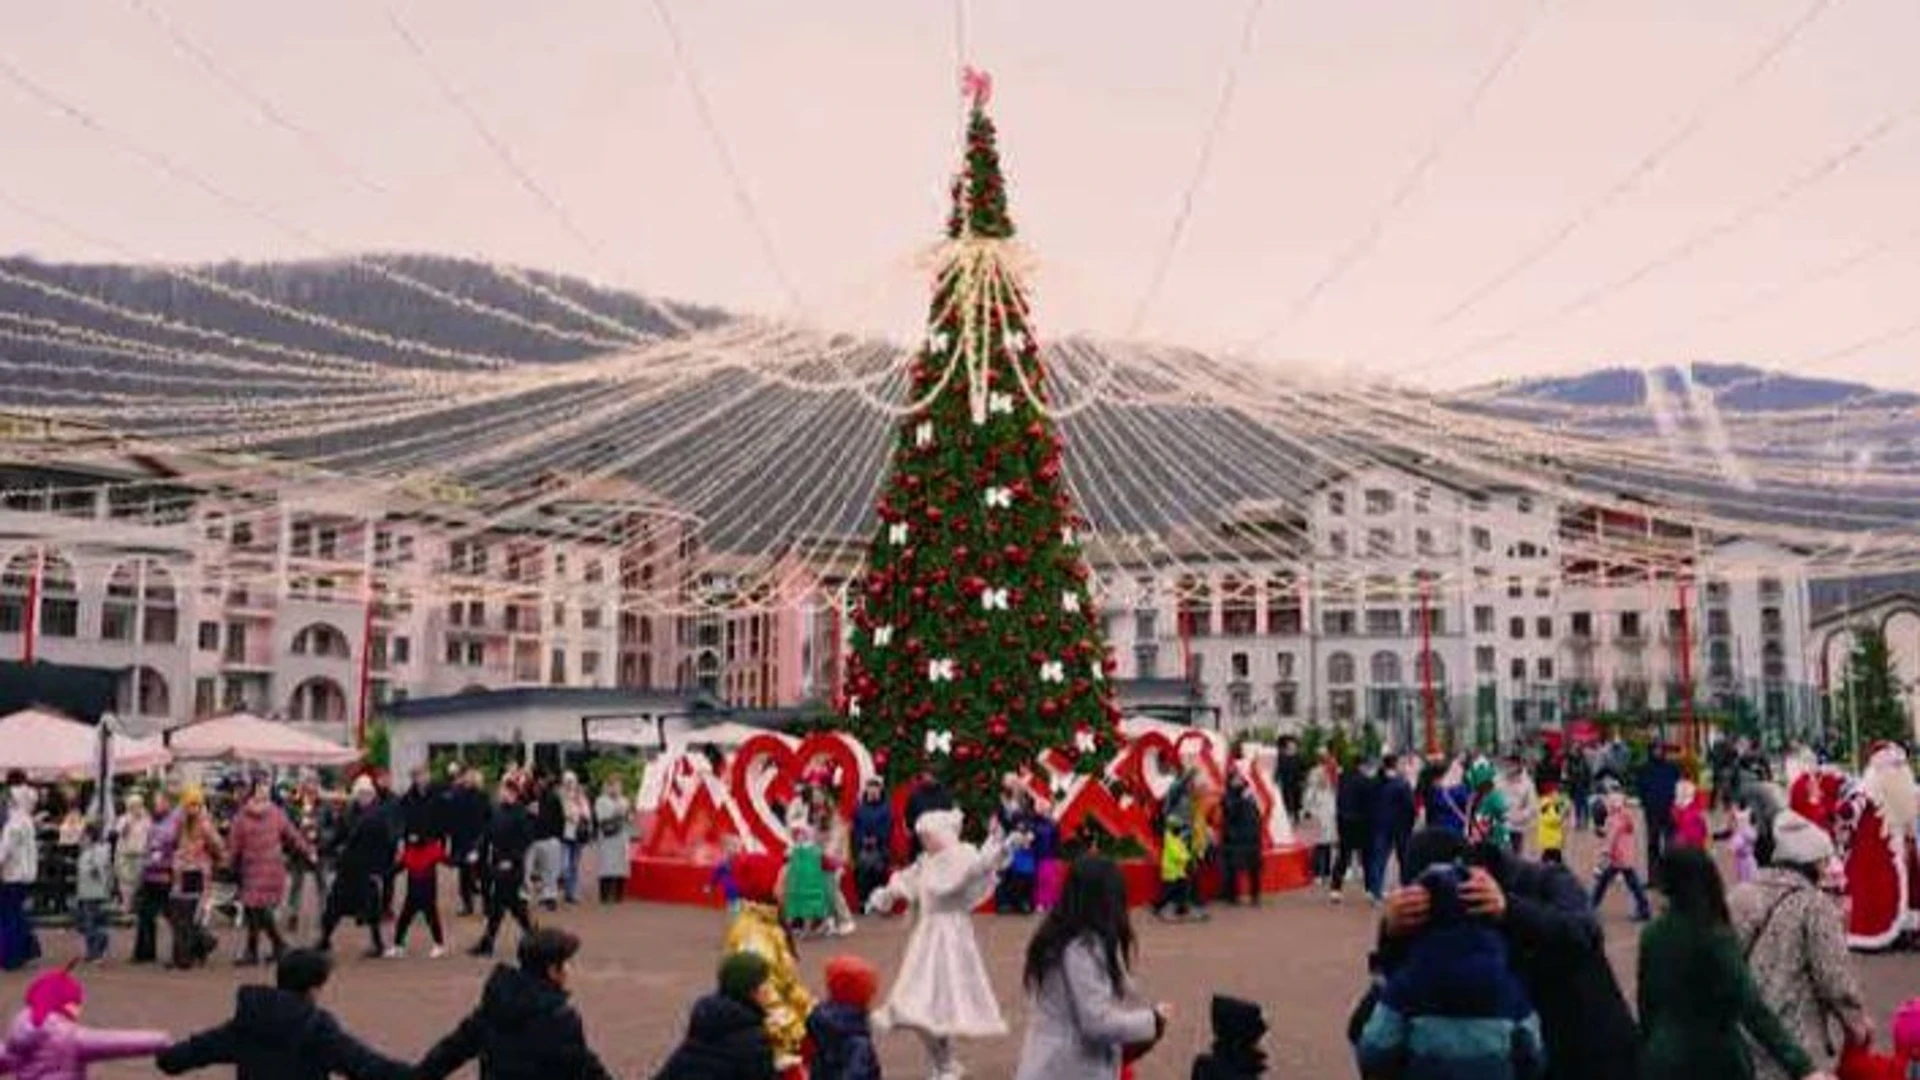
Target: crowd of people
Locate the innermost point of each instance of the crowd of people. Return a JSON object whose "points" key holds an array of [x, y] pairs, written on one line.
{"points": [[1490, 959], [184, 862]]}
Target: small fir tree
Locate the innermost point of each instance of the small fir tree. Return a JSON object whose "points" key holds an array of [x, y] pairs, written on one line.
{"points": [[1872, 700]]}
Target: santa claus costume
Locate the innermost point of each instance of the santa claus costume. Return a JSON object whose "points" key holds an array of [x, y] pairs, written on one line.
{"points": [[1875, 827], [1814, 791], [942, 991]]}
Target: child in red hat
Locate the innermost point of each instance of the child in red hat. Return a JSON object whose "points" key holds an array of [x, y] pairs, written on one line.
{"points": [[839, 1028]]}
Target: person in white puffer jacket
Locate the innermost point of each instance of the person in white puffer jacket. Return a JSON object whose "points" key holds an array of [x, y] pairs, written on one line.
{"points": [[19, 871]]}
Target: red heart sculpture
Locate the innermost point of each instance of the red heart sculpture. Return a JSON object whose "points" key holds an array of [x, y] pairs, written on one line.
{"points": [[1093, 802], [788, 761]]}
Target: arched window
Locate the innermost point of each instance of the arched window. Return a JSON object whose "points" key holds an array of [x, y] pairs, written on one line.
{"points": [[59, 590], [322, 640], [140, 594], [320, 700], [1384, 669], [1340, 669], [143, 691]]}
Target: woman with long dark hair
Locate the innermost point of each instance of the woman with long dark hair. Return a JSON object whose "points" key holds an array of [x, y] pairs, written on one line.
{"points": [[1082, 1017], [1696, 995]]}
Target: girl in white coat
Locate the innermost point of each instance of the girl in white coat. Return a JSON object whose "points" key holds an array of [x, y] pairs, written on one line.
{"points": [[942, 991]]}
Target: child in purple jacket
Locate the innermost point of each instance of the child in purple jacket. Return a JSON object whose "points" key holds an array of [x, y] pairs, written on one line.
{"points": [[47, 1041]]}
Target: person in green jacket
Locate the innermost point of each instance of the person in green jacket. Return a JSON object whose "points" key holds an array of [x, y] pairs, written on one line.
{"points": [[803, 885], [1695, 992]]}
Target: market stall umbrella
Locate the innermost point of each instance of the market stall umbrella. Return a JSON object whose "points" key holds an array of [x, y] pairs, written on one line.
{"points": [[47, 746], [243, 737]]}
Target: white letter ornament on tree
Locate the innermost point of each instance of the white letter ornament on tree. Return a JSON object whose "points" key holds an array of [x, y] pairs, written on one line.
{"points": [[999, 498], [1069, 601], [994, 600], [1053, 671], [941, 670], [923, 434], [897, 533], [939, 742], [882, 636], [999, 404]]}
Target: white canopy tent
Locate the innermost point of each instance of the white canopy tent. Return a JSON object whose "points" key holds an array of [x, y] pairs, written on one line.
{"points": [[48, 746], [244, 737]]}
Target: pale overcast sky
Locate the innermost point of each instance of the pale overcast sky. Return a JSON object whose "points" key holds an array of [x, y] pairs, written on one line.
{"points": [[841, 117]]}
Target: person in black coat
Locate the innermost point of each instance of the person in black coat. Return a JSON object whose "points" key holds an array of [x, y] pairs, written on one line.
{"points": [[502, 858], [1556, 946], [1290, 776], [280, 1033], [1238, 1029], [524, 1027], [1355, 803], [1393, 817], [359, 890], [872, 839], [1241, 839], [727, 1034], [466, 817], [1658, 780]]}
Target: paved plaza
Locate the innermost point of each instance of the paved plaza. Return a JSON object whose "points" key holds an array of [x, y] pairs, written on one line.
{"points": [[1300, 957]]}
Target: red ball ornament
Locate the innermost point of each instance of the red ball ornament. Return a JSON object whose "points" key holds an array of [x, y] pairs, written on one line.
{"points": [[998, 688], [1037, 621], [934, 514], [1081, 688], [1037, 430], [997, 726], [973, 585], [919, 594], [1050, 708]]}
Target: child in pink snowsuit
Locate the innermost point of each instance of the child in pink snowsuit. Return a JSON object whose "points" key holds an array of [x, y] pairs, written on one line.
{"points": [[47, 1041]]}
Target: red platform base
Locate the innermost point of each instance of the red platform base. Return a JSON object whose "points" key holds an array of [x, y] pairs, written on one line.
{"points": [[677, 881]]}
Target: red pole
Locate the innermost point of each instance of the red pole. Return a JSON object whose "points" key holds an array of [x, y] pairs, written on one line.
{"points": [[1685, 646], [1427, 704], [32, 636], [833, 669], [366, 672]]}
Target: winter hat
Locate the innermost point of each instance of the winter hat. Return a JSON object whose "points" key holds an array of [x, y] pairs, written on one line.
{"points": [[54, 992], [743, 973], [755, 876], [852, 981], [1480, 773], [1799, 842], [1237, 1022], [193, 799]]}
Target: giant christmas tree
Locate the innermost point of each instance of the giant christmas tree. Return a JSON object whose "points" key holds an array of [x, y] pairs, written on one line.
{"points": [[975, 642]]}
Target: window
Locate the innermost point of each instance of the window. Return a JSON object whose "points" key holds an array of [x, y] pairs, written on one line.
{"points": [[1580, 625], [1423, 541], [1144, 627], [1340, 705], [1422, 500], [557, 668], [1283, 666], [560, 564], [1483, 619], [243, 534], [1340, 669], [327, 543], [1515, 590], [1484, 660], [1379, 501], [1337, 503], [1770, 621], [209, 633], [590, 618], [1383, 623], [1517, 667], [302, 542], [159, 626], [1482, 539], [589, 664], [1379, 542], [476, 613], [456, 612], [1543, 587], [456, 652], [205, 699], [476, 654], [116, 622], [1770, 588], [1524, 504], [1242, 668], [1517, 628], [1286, 700], [1543, 627], [1337, 542], [1543, 669], [401, 650], [1630, 625], [1337, 623], [559, 616], [1383, 669], [1719, 623]]}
